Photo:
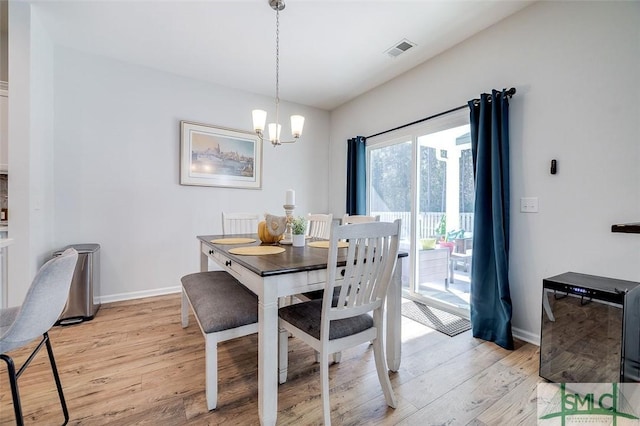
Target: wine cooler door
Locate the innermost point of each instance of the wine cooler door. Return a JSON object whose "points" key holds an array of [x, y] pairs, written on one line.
{"points": [[581, 339]]}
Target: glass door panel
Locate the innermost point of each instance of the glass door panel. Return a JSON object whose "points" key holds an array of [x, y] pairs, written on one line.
{"points": [[426, 179], [443, 194], [390, 188]]}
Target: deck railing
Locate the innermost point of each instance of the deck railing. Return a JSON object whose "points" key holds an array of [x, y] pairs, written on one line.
{"points": [[428, 222]]}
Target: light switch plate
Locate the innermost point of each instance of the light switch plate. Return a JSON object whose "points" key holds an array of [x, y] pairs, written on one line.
{"points": [[529, 205]]}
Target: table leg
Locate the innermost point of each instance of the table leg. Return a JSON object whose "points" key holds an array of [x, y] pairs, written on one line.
{"points": [[451, 268], [204, 260], [394, 320], [268, 360]]}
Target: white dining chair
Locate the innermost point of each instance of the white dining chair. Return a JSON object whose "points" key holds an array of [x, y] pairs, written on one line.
{"points": [[346, 219], [357, 218], [356, 315], [319, 225], [240, 223]]}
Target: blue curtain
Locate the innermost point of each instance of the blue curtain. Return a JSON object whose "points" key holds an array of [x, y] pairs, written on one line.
{"points": [[356, 176], [490, 295]]}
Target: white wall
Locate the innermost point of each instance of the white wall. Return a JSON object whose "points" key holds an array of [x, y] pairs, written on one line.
{"points": [[575, 66], [4, 40], [116, 156], [29, 149]]}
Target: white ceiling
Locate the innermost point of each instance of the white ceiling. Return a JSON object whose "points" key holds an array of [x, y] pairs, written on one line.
{"points": [[330, 51]]}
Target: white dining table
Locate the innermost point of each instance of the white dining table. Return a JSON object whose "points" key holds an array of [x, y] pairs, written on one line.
{"points": [[271, 277]]}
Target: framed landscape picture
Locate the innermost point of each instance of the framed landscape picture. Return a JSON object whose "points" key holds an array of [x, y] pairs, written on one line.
{"points": [[217, 156]]}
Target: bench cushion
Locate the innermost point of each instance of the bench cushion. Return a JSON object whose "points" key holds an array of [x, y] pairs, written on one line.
{"points": [[220, 302]]}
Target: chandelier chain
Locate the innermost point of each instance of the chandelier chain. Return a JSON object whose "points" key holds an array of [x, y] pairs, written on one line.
{"points": [[277, 68]]}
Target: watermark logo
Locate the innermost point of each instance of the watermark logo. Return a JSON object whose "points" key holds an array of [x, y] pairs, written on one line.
{"points": [[616, 404]]}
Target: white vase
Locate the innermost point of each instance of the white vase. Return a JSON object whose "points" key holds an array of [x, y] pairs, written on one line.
{"points": [[298, 240]]}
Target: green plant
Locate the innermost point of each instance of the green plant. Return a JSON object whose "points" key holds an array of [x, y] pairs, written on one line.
{"points": [[298, 225], [441, 230]]}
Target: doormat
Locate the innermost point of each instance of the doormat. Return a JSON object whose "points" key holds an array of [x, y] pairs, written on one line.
{"points": [[441, 321]]}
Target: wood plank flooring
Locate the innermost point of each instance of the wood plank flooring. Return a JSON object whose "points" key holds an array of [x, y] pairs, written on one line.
{"points": [[135, 364]]}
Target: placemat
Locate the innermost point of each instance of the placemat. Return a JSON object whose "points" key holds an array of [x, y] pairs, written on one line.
{"points": [[234, 241], [256, 250], [325, 244]]}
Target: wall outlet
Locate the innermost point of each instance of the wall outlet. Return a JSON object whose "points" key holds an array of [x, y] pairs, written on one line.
{"points": [[529, 205]]}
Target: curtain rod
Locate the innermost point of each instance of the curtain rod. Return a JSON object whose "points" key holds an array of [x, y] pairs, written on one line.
{"points": [[509, 93]]}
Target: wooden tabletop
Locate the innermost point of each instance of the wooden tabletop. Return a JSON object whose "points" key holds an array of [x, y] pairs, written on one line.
{"points": [[293, 259]]}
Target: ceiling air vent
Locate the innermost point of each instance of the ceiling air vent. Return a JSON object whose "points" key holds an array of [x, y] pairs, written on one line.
{"points": [[400, 47]]}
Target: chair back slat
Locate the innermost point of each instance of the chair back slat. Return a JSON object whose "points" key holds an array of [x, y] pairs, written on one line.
{"points": [[319, 225], [240, 223], [370, 261], [358, 218], [372, 267]]}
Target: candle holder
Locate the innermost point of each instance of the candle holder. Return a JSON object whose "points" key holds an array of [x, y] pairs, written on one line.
{"points": [[288, 235]]}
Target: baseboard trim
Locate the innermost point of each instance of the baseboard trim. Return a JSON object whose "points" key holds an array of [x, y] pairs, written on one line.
{"points": [[139, 294], [527, 336]]}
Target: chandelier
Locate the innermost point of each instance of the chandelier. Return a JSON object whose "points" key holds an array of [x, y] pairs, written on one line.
{"points": [[260, 116]]}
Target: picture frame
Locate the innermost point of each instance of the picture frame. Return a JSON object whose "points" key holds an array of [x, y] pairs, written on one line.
{"points": [[218, 156]]}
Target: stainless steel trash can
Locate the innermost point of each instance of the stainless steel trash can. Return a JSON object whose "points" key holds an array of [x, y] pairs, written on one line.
{"points": [[84, 293]]}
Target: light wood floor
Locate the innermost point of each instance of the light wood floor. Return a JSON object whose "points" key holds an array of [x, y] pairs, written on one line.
{"points": [[135, 364]]}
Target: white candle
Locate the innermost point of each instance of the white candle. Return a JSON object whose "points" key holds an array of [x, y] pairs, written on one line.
{"points": [[290, 198]]}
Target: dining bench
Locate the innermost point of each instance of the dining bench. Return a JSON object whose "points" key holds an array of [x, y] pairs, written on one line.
{"points": [[224, 309]]}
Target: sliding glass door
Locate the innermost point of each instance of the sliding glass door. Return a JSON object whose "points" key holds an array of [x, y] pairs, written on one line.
{"points": [[424, 176]]}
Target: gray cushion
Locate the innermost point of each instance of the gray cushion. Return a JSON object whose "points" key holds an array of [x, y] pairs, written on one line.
{"points": [[307, 315], [314, 295], [318, 294], [220, 302]]}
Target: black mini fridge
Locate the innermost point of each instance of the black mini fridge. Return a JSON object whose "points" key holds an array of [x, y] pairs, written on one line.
{"points": [[84, 294], [590, 329]]}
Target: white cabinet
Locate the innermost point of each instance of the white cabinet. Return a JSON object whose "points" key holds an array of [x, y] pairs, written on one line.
{"points": [[433, 265], [4, 244]]}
